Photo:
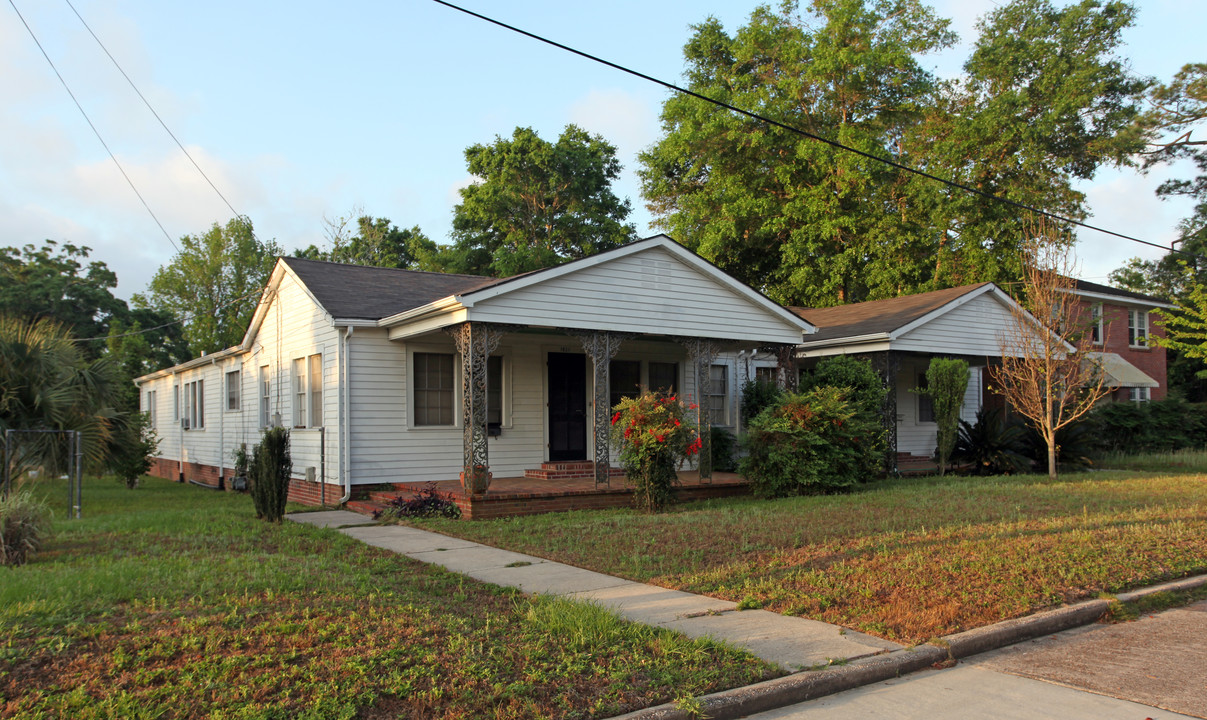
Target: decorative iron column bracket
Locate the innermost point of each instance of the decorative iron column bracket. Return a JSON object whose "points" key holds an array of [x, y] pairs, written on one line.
{"points": [[700, 353], [887, 364], [475, 342], [601, 347]]}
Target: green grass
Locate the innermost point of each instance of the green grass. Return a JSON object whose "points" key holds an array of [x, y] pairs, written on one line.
{"points": [[1192, 461], [171, 601], [905, 559]]}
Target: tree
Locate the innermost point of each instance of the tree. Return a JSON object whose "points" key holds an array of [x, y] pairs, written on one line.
{"points": [[538, 204], [1046, 374], [47, 383], [379, 243], [810, 224], [946, 383], [213, 284]]}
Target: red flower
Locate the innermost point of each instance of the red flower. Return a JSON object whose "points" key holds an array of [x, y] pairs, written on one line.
{"points": [[616, 418], [628, 431], [676, 422], [693, 406], [661, 438]]}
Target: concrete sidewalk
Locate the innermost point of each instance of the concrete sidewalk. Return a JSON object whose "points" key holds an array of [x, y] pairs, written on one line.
{"points": [[790, 642]]}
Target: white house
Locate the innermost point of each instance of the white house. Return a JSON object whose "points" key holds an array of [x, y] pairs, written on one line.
{"points": [[400, 376]]}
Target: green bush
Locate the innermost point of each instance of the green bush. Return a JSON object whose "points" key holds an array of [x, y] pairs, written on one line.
{"points": [[993, 446], [812, 442], [268, 474], [865, 387], [23, 522], [1076, 447], [1170, 424], [757, 395], [946, 383], [724, 448], [134, 444]]}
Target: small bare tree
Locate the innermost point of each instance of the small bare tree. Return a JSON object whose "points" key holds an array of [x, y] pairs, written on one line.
{"points": [[1046, 374]]}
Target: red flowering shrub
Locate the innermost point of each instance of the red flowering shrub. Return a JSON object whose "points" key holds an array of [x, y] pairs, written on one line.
{"points": [[656, 436]]}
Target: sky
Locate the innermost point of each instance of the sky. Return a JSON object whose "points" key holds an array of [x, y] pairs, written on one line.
{"points": [[305, 112]]}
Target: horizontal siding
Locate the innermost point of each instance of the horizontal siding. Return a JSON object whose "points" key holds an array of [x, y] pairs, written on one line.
{"points": [[647, 292], [974, 328], [918, 438]]}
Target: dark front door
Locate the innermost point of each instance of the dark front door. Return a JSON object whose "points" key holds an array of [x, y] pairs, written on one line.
{"points": [[567, 407]]}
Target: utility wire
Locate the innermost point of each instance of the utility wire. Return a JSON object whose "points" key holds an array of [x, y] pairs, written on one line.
{"points": [[178, 321], [152, 109], [89, 121], [811, 136]]}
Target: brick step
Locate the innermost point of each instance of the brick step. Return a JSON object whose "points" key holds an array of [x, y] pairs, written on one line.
{"points": [[577, 474], [364, 507], [569, 465]]}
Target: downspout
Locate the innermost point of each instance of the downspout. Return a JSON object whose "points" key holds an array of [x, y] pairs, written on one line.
{"points": [[222, 390], [345, 459], [178, 405]]}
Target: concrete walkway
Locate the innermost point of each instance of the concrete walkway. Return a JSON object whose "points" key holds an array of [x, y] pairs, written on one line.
{"points": [[792, 643]]}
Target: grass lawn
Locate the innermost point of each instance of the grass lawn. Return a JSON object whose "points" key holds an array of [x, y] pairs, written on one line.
{"points": [[907, 559], [172, 601]]}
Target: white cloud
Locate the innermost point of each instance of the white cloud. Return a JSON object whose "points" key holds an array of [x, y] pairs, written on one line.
{"points": [[622, 118]]}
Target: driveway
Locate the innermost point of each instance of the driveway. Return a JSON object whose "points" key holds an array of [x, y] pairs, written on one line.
{"points": [[1155, 667]]}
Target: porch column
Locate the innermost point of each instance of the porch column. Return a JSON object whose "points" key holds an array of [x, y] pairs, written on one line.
{"points": [[700, 353], [475, 342], [601, 347], [887, 364]]}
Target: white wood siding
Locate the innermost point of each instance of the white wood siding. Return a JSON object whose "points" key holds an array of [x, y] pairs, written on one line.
{"points": [[295, 327], [919, 438], [974, 328], [649, 292]]}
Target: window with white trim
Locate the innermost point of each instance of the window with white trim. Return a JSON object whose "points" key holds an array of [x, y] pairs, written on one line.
{"points": [[233, 389], [1137, 328], [194, 405], [768, 374], [432, 381], [494, 390], [1096, 323], [150, 408], [624, 380], [299, 392], [315, 381], [664, 377], [1139, 394], [265, 397], [926, 404], [718, 395], [176, 403]]}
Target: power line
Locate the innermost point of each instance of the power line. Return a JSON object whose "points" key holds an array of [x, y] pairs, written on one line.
{"points": [[178, 321], [152, 109], [811, 136], [89, 121]]}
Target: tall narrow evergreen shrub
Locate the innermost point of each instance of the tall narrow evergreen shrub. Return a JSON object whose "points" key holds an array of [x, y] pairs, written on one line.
{"points": [[946, 383], [269, 474]]}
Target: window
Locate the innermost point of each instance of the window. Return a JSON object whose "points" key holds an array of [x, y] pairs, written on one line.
{"points": [[926, 405], [624, 380], [664, 377], [299, 392], [265, 387], [718, 395], [176, 403], [1096, 323], [150, 408], [433, 389], [316, 390], [494, 390], [1137, 328], [194, 405], [768, 375], [233, 389], [1139, 395]]}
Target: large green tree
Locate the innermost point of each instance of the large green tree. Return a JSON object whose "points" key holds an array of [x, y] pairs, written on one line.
{"points": [[213, 284], [537, 204], [1043, 101], [378, 242]]}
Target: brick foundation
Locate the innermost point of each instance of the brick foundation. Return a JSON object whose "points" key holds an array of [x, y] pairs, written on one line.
{"points": [[300, 491]]}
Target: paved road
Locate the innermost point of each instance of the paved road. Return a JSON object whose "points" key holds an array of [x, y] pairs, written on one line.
{"points": [[1155, 667]]}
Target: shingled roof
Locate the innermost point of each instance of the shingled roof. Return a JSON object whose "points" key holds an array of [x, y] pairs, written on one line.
{"points": [[359, 292], [1085, 286], [877, 317]]}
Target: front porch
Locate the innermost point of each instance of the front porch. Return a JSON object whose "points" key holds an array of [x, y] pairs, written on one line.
{"points": [[509, 496]]}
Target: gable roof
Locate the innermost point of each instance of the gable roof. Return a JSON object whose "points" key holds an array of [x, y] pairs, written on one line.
{"points": [[1089, 289], [361, 292], [879, 317]]}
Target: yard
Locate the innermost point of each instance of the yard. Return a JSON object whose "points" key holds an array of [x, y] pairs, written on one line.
{"points": [[171, 601], [907, 559]]}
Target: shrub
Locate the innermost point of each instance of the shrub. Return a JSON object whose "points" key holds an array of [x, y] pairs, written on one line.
{"points": [[723, 446], [428, 502], [1170, 424], [269, 472], [1076, 446], [864, 387], [24, 520], [656, 436], [757, 395], [946, 383], [131, 452], [812, 442], [991, 445]]}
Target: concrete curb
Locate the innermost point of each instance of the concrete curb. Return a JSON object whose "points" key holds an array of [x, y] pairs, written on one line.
{"points": [[809, 685]]}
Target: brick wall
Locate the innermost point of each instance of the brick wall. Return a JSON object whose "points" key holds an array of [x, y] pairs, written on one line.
{"points": [[472, 509], [1149, 360], [300, 491]]}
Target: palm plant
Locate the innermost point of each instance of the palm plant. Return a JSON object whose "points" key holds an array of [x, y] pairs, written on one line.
{"points": [[992, 445]]}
